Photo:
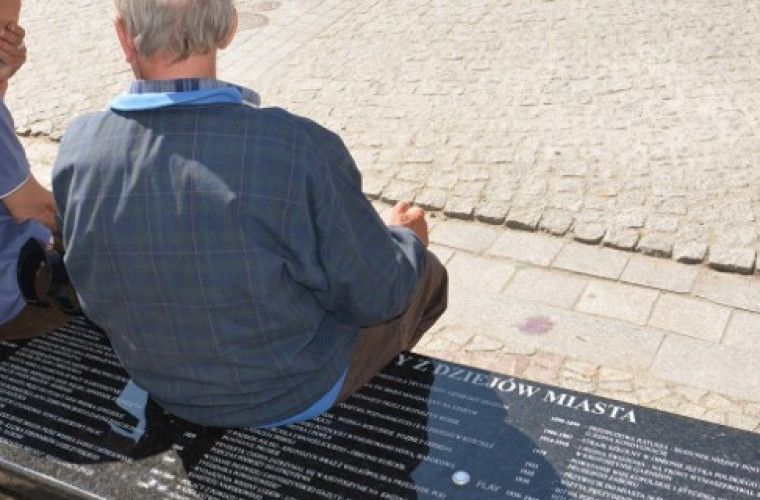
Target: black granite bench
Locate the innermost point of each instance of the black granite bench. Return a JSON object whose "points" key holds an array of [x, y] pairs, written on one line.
{"points": [[72, 426]]}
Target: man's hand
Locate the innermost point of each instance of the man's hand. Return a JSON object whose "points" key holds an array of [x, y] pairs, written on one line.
{"points": [[12, 50], [32, 201], [405, 215]]}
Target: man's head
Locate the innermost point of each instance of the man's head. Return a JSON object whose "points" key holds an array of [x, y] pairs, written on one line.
{"points": [[177, 29], [9, 11]]}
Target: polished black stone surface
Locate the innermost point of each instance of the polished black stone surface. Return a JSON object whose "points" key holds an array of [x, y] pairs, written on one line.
{"points": [[73, 424]]}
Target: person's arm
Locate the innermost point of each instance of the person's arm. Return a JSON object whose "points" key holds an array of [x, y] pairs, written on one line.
{"points": [[373, 268], [31, 201], [12, 53]]}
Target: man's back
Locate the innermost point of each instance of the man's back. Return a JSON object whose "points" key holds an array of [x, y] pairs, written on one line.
{"points": [[229, 254], [228, 251]]}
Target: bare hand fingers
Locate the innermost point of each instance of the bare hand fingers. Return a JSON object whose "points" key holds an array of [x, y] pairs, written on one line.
{"points": [[11, 50], [16, 29], [13, 34], [401, 207], [416, 213], [12, 56]]}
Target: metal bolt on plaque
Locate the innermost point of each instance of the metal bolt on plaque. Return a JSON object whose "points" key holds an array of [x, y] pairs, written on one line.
{"points": [[460, 478]]}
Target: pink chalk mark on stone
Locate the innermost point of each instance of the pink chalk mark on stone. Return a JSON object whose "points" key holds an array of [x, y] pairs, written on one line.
{"points": [[536, 325]]}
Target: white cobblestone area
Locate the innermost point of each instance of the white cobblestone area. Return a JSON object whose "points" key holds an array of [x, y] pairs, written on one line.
{"points": [[628, 123], [623, 123], [651, 332]]}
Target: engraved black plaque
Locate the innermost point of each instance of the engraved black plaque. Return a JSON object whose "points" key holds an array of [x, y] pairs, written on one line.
{"points": [[72, 423]]}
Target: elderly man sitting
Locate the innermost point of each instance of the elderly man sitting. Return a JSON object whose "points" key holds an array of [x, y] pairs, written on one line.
{"points": [[226, 248]]}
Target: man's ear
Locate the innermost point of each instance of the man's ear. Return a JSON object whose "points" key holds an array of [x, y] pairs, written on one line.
{"points": [[231, 35], [127, 44]]}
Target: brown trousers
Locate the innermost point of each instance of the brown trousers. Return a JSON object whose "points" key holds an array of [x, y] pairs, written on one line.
{"points": [[379, 345], [33, 321]]}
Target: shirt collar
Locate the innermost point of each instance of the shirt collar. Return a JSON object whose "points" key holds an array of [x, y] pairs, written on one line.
{"points": [[155, 94]]}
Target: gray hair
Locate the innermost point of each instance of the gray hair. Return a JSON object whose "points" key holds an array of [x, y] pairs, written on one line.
{"points": [[179, 27]]}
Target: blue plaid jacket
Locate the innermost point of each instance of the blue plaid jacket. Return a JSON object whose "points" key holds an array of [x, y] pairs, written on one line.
{"points": [[226, 249]]}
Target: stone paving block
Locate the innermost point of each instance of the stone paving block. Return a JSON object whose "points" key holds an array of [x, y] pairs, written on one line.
{"points": [[460, 207], [691, 317], [715, 416], [593, 339], [449, 336], [623, 396], [373, 187], [475, 238], [692, 394], [494, 361], [689, 252], [527, 247], [658, 273], [655, 245], [436, 347], [632, 218], [431, 199], [576, 385], [468, 189], [540, 285], [615, 300], [744, 422], [547, 361], [596, 261], [723, 369], [659, 223], [444, 254], [556, 223], [523, 218], [690, 410], [518, 348], [739, 260], [621, 238], [589, 232], [541, 375], [622, 386], [479, 273], [611, 376], [719, 402], [580, 370], [480, 343], [743, 331], [649, 394], [752, 409], [398, 190], [733, 290], [492, 212]]}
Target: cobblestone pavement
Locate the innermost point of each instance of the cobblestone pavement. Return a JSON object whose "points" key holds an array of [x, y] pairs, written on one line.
{"points": [[629, 124], [594, 127]]}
